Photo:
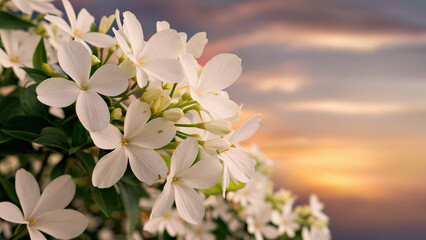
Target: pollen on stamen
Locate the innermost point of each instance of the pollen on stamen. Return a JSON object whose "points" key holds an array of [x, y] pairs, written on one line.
{"points": [[83, 87], [32, 222], [77, 33], [176, 180], [140, 62], [124, 142], [14, 59]]}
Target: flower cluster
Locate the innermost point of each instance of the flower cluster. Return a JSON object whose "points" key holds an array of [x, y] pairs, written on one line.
{"points": [[125, 98]]}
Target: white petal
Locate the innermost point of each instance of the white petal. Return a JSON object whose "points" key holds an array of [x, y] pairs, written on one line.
{"points": [[225, 178], [62, 223], [204, 174], [196, 44], [35, 234], [189, 204], [190, 69], [163, 69], [11, 213], [110, 168], [84, 21], [23, 6], [219, 73], [70, 13], [92, 111], [164, 201], [246, 130], [164, 44], [133, 30], [75, 60], [123, 44], [152, 225], [176, 225], [27, 48], [107, 138], [57, 195], [269, 232], [27, 190], [137, 115], [141, 77], [219, 107], [147, 165], [10, 44], [241, 165], [155, 134], [58, 21], [184, 156], [108, 80], [4, 59], [45, 7], [98, 39], [162, 25], [57, 92]]}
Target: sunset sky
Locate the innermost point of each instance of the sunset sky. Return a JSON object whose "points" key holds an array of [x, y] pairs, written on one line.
{"points": [[341, 86]]}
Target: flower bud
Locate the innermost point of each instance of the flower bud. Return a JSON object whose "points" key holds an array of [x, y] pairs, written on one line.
{"points": [[173, 114], [128, 68], [218, 145], [106, 23], [95, 60], [218, 127], [165, 102], [116, 114], [186, 95], [48, 71], [152, 94]]}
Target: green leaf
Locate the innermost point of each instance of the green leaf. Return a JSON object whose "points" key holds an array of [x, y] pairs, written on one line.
{"points": [[10, 21], [79, 135], [217, 189], [59, 168], [8, 78], [37, 75], [106, 199], [15, 147], [53, 137], [9, 107], [30, 105], [129, 196], [85, 161], [24, 127], [10, 189], [4, 138], [39, 56]]}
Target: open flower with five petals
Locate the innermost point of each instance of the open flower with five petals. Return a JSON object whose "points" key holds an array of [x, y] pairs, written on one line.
{"points": [[137, 144], [79, 27], [286, 220], [186, 176], [157, 58], [45, 213], [91, 109]]}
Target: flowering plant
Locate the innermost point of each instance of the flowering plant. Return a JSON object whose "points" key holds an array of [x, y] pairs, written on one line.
{"points": [[78, 105]]}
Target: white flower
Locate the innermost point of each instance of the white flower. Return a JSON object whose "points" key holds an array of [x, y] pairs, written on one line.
{"points": [[6, 229], [41, 6], [219, 73], [169, 221], [195, 44], [316, 233], [258, 223], [182, 180], [252, 193], [137, 144], [201, 231], [286, 220], [220, 208], [91, 109], [157, 58], [80, 27], [19, 49], [45, 213], [316, 208]]}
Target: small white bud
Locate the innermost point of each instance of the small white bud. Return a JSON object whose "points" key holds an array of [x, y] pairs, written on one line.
{"points": [[218, 127], [217, 145], [95, 60], [165, 102], [128, 68], [173, 114], [152, 94], [116, 114], [106, 23]]}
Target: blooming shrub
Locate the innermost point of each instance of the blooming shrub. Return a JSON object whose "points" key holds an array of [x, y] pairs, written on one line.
{"points": [[78, 106]]}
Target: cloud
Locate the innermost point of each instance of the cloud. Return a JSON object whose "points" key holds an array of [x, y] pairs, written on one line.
{"points": [[287, 78]]}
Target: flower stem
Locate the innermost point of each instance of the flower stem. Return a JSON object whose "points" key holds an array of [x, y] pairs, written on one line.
{"points": [[173, 90]]}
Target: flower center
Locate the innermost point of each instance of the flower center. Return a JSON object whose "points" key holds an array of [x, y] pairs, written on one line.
{"points": [[124, 142], [77, 33], [14, 59], [257, 226], [176, 180], [140, 62], [32, 222], [285, 222], [166, 216], [83, 87]]}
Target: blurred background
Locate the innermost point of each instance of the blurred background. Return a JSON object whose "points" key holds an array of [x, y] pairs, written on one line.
{"points": [[341, 86]]}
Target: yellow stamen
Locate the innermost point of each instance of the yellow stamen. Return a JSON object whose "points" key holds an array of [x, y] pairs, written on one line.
{"points": [[166, 216], [83, 87], [77, 33], [124, 142], [32, 222], [176, 180], [140, 62], [14, 59]]}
